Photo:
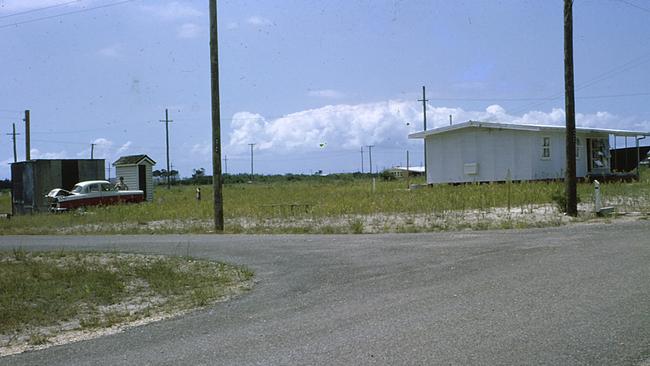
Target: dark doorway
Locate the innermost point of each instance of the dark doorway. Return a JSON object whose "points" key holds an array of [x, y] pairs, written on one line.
{"points": [[69, 174], [142, 179]]}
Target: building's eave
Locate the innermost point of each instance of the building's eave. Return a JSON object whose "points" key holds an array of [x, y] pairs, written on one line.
{"points": [[522, 127]]}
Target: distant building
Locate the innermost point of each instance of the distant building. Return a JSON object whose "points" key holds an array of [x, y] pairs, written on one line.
{"points": [[32, 180], [625, 159], [400, 171], [488, 151], [137, 172]]}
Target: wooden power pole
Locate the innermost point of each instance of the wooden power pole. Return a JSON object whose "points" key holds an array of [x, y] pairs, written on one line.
{"points": [[424, 101], [361, 159], [217, 181], [13, 138], [28, 155], [370, 157], [252, 145], [167, 120], [569, 101]]}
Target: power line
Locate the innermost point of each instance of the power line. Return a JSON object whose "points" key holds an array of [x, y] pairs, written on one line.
{"points": [[39, 9], [65, 14], [634, 5], [637, 61]]}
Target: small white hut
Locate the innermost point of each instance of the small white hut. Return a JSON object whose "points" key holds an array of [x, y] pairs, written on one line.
{"points": [[137, 173], [489, 152]]}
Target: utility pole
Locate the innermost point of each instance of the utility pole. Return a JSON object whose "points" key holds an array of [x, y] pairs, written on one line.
{"points": [[569, 101], [361, 159], [217, 181], [251, 145], [92, 151], [27, 136], [225, 160], [13, 137], [370, 156], [424, 101], [408, 176], [167, 120]]}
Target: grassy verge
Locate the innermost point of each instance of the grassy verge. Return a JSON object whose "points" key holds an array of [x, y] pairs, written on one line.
{"points": [[326, 206], [5, 201], [46, 294]]}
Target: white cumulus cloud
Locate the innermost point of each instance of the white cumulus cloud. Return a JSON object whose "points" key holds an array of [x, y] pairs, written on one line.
{"points": [[188, 31], [387, 123], [259, 21], [202, 149], [112, 51], [37, 154], [172, 11], [124, 148], [326, 93]]}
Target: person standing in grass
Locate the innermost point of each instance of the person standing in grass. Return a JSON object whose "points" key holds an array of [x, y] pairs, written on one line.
{"points": [[121, 186]]}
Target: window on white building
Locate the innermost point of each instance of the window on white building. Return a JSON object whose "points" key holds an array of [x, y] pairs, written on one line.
{"points": [[578, 147], [546, 147]]}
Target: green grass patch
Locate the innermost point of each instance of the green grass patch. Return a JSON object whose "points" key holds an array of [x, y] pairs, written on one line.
{"points": [[5, 201], [269, 203], [43, 292]]}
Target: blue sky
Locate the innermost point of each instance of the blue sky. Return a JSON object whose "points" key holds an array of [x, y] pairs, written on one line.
{"points": [[309, 82]]}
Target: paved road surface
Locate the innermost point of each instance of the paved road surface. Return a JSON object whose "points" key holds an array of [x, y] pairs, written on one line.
{"points": [[575, 295]]}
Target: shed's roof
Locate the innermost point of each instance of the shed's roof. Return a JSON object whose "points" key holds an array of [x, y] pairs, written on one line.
{"points": [[521, 127], [133, 160]]}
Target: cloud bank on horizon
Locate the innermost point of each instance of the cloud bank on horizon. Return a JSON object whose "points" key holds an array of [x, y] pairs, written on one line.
{"points": [[346, 126]]}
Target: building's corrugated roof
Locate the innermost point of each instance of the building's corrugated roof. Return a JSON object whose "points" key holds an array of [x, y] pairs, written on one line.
{"points": [[133, 160], [521, 127]]}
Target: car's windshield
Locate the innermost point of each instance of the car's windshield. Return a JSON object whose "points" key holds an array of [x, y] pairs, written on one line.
{"points": [[77, 189]]}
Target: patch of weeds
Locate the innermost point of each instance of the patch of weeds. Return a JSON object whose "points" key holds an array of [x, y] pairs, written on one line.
{"points": [[402, 229], [507, 224], [235, 228], [246, 273], [481, 225], [91, 322], [300, 230], [356, 226], [329, 229], [20, 254], [37, 339], [114, 317], [559, 198], [203, 296]]}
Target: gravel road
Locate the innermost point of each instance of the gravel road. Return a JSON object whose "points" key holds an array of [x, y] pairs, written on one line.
{"points": [[572, 295]]}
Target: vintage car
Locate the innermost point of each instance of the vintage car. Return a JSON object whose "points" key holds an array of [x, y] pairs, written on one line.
{"points": [[90, 193]]}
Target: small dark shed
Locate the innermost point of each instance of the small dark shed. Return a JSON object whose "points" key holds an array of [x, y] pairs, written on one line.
{"points": [[32, 180]]}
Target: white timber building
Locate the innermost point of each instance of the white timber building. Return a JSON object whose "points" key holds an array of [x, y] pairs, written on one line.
{"points": [[137, 171], [491, 152]]}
